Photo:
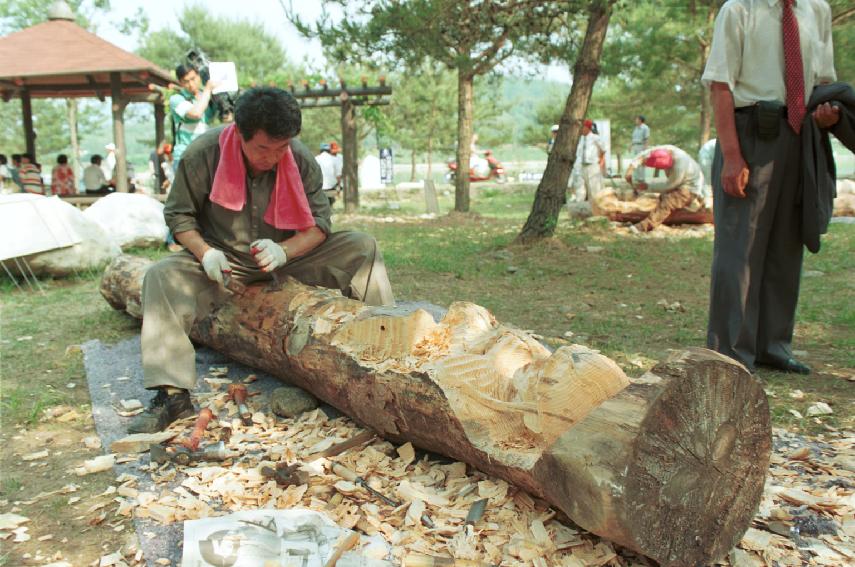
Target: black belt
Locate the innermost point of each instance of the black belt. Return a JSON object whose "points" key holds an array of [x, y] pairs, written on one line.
{"points": [[751, 109]]}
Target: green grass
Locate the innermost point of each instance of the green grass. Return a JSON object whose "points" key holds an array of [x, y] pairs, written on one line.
{"points": [[603, 287]]}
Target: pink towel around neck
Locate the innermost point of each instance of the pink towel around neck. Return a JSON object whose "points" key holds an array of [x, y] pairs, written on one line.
{"points": [[288, 208]]}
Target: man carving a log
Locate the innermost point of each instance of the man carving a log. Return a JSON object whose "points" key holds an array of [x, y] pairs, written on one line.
{"points": [[683, 187], [247, 204]]}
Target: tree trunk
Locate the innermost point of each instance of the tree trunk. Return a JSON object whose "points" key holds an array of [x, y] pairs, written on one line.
{"points": [[349, 142], [671, 465], [413, 165], [71, 106], [551, 192], [464, 139], [430, 158], [706, 99]]}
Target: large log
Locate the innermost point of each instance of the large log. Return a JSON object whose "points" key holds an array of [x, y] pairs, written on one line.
{"points": [[671, 465]]}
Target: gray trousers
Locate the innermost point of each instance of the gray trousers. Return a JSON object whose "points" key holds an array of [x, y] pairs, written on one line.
{"points": [[757, 255], [176, 292]]}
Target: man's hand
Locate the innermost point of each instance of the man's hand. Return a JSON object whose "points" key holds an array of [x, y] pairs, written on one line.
{"points": [[268, 255], [734, 177], [640, 186], [826, 115], [215, 264]]}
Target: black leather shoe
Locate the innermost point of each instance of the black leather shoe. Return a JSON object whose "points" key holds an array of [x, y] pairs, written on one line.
{"points": [[162, 410], [790, 365]]}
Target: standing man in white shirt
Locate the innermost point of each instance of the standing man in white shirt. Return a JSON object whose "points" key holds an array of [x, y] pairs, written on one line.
{"points": [[587, 175], [640, 142], [331, 170], [766, 57]]}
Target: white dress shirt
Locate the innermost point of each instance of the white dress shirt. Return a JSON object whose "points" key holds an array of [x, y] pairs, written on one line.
{"points": [[747, 42]]}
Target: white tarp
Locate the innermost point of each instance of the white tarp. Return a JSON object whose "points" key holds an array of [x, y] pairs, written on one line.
{"points": [[131, 219], [32, 224]]}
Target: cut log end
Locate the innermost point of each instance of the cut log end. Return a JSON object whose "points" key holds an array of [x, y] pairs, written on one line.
{"points": [[700, 460]]}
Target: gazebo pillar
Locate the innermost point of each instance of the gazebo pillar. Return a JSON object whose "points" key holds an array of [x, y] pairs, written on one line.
{"points": [[29, 133], [350, 147], [159, 118], [118, 106]]}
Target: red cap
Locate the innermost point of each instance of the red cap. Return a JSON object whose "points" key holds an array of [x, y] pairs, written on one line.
{"points": [[588, 123], [659, 159]]}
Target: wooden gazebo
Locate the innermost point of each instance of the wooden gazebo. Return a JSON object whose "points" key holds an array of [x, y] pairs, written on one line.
{"points": [[59, 59]]}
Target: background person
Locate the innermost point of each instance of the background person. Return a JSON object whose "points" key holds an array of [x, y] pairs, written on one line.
{"points": [[94, 180], [586, 179], [62, 177], [190, 108], [30, 175], [682, 188], [640, 142], [331, 171]]}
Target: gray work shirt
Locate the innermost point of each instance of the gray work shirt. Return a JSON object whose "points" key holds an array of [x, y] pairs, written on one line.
{"points": [[640, 135], [189, 207]]}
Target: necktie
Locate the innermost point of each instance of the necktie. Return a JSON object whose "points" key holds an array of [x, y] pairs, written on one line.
{"points": [[794, 78]]}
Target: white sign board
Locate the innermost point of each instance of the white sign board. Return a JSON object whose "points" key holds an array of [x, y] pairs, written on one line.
{"points": [[224, 75], [32, 224]]}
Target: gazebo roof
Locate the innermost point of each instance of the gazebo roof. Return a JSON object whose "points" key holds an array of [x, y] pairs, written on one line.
{"points": [[59, 59]]}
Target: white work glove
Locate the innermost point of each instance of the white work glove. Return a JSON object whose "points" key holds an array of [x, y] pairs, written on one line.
{"points": [[215, 263], [268, 255]]}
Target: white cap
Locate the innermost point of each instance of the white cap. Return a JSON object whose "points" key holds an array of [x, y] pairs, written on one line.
{"points": [[555, 128], [110, 146]]}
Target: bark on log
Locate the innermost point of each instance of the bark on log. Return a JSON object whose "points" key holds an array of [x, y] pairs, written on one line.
{"points": [[671, 465]]}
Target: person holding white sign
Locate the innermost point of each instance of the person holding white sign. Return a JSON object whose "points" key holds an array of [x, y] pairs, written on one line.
{"points": [[191, 108]]}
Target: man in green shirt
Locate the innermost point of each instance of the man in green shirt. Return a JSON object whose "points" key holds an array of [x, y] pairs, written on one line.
{"points": [[191, 109], [247, 203]]}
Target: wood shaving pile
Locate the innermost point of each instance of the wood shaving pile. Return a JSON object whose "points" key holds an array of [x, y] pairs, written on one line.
{"points": [[806, 517]]}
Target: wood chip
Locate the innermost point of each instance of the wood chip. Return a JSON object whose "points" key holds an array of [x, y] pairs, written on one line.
{"points": [[406, 453], [96, 465], [140, 442], [37, 455]]}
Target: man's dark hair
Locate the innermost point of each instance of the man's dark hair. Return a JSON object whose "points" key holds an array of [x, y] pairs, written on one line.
{"points": [[642, 118], [16, 158], [270, 109], [3, 159], [96, 159], [182, 69], [62, 159]]}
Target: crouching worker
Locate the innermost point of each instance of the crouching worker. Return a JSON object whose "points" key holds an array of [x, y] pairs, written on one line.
{"points": [[246, 203], [682, 188]]}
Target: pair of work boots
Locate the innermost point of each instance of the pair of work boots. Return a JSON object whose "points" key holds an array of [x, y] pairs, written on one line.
{"points": [[163, 409]]}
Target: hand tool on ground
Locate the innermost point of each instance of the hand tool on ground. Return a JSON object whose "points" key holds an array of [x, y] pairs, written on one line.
{"points": [[238, 394], [286, 475], [205, 416], [183, 456], [351, 476], [419, 560], [476, 511], [339, 448], [341, 546]]}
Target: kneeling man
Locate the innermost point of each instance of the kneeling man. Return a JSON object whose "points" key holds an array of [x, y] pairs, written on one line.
{"points": [[247, 203], [683, 187]]}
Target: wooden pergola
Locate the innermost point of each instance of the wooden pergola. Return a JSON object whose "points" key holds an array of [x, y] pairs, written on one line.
{"points": [[347, 97], [59, 59]]}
